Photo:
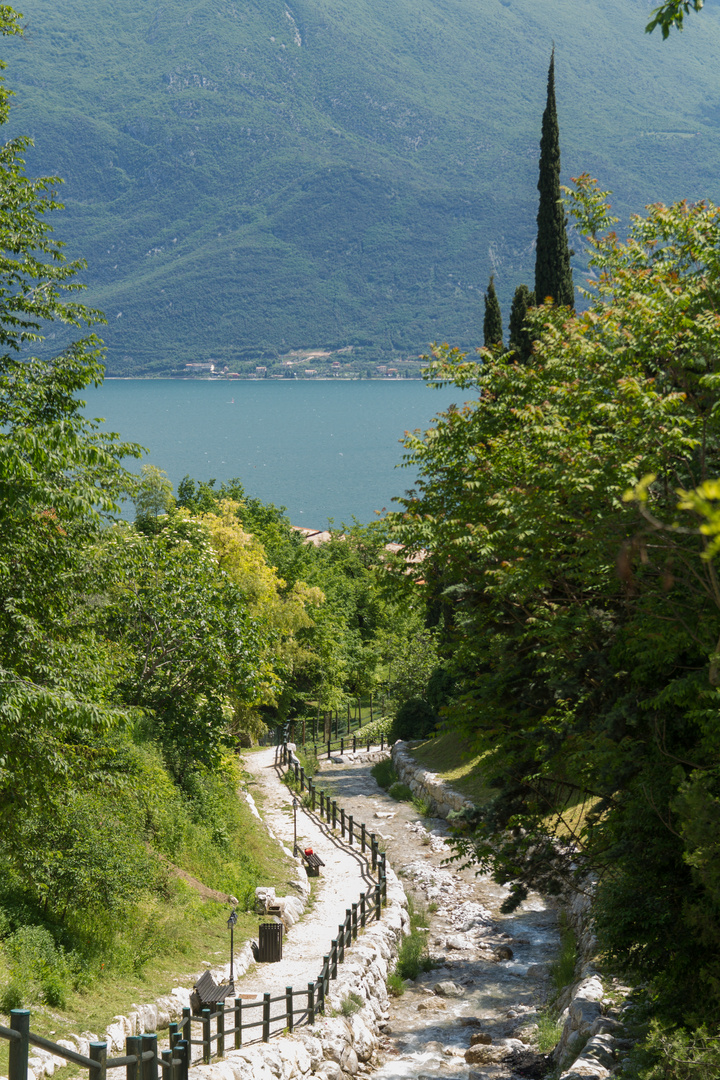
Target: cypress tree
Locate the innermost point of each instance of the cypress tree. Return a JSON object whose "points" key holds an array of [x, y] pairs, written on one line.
{"points": [[553, 276], [492, 323], [521, 339]]}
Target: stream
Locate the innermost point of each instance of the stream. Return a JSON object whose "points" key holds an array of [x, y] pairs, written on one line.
{"points": [[492, 967]]}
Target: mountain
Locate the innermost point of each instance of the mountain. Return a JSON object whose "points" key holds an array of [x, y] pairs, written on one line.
{"points": [[247, 179]]}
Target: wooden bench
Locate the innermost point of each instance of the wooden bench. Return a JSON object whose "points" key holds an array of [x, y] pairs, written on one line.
{"points": [[206, 993], [313, 862]]}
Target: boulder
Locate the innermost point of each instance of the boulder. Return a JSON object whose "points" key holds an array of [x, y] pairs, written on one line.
{"points": [[313, 1047], [349, 1063], [329, 1070], [364, 1041], [481, 1038], [456, 942], [485, 1055], [448, 989]]}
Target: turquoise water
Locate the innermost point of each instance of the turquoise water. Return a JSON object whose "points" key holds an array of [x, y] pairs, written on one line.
{"points": [[325, 450]]}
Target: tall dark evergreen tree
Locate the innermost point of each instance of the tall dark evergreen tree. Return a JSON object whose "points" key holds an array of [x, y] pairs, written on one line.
{"points": [[553, 276], [521, 338], [492, 323]]}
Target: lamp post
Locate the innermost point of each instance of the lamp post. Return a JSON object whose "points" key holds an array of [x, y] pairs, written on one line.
{"points": [[295, 806], [231, 924]]}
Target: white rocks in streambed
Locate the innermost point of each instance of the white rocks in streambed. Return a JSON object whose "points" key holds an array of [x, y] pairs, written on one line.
{"points": [[448, 989], [457, 942]]}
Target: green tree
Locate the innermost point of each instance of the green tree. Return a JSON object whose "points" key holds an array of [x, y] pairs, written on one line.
{"points": [[58, 476], [553, 275], [585, 633], [153, 495], [521, 340], [492, 322]]}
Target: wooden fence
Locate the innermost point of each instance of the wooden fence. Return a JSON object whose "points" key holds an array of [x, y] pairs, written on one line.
{"points": [[256, 1019]]}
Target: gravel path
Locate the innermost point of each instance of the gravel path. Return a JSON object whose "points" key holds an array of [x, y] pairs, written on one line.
{"points": [[342, 879]]}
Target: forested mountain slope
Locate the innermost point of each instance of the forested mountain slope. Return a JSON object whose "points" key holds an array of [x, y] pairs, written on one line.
{"points": [[248, 176]]}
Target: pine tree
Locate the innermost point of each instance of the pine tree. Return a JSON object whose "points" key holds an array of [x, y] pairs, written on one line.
{"points": [[521, 339], [553, 276], [492, 323]]}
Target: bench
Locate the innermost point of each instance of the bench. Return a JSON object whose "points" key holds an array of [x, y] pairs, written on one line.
{"points": [[312, 861], [206, 993]]}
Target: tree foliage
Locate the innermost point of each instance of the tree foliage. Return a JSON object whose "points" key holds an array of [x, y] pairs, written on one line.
{"points": [[571, 506], [672, 14]]}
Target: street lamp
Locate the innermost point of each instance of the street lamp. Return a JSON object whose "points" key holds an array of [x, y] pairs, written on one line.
{"points": [[231, 924], [295, 806]]}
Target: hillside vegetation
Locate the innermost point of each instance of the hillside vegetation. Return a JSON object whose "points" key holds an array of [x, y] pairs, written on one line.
{"points": [[245, 179]]}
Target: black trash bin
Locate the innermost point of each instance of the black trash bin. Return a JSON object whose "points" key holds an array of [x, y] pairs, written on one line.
{"points": [[270, 942]]}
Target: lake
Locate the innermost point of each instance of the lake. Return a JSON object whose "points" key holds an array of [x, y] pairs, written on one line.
{"points": [[326, 450]]}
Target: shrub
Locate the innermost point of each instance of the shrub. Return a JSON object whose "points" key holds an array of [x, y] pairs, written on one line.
{"points": [[395, 985], [415, 719], [562, 969], [384, 773], [351, 1003], [380, 727], [400, 792]]}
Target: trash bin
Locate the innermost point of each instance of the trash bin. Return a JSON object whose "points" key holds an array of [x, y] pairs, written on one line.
{"points": [[270, 942]]}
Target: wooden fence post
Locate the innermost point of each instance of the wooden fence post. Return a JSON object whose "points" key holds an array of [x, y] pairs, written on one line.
{"points": [[341, 943], [186, 1025], [220, 1045], [289, 1007], [98, 1052], [325, 981], [342, 822], [206, 1044], [373, 850], [334, 814], [133, 1048], [333, 958], [302, 779], [354, 921], [362, 910], [19, 1047], [183, 1050], [266, 1018], [348, 927], [166, 1056], [362, 837], [149, 1067], [238, 1022], [311, 1004], [351, 836], [378, 905]]}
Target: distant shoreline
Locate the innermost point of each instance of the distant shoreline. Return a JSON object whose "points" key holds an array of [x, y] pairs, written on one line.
{"points": [[242, 379]]}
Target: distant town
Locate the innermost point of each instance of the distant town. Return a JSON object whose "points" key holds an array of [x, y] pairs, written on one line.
{"points": [[309, 364]]}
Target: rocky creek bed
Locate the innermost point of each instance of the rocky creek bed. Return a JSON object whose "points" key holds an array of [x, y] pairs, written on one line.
{"points": [[476, 1011]]}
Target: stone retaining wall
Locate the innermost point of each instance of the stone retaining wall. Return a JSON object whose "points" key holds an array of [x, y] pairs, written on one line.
{"points": [[427, 785]]}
